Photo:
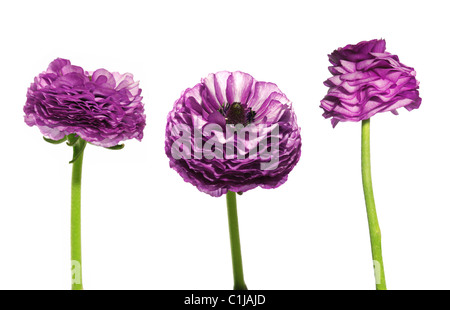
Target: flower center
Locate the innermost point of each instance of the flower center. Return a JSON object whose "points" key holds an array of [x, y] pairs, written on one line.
{"points": [[237, 113]]}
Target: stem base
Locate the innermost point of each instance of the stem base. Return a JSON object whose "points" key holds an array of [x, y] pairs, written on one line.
{"points": [[238, 272]]}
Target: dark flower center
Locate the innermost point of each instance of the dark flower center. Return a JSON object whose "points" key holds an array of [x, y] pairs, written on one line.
{"points": [[237, 113]]}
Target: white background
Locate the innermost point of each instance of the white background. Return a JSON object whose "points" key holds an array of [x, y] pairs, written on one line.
{"points": [[144, 228]]}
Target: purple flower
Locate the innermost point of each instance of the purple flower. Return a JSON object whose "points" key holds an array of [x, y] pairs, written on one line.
{"points": [[367, 80], [233, 101], [101, 107]]}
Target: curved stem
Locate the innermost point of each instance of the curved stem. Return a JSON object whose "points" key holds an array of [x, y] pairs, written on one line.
{"points": [[75, 231], [374, 229], [238, 272]]}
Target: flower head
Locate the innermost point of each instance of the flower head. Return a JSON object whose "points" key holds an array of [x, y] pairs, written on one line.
{"points": [[101, 107], [235, 133], [367, 80]]}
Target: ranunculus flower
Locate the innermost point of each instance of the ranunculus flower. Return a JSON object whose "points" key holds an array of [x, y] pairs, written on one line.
{"points": [[69, 104], [227, 99], [367, 80], [101, 107]]}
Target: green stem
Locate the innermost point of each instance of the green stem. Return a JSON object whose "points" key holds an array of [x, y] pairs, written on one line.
{"points": [[75, 232], [238, 272], [374, 229]]}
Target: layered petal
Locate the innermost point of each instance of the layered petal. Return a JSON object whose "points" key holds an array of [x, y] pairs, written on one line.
{"points": [[101, 107], [366, 80], [227, 100]]}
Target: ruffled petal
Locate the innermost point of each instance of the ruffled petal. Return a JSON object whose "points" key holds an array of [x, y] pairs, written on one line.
{"points": [[203, 109], [367, 80], [101, 107]]}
